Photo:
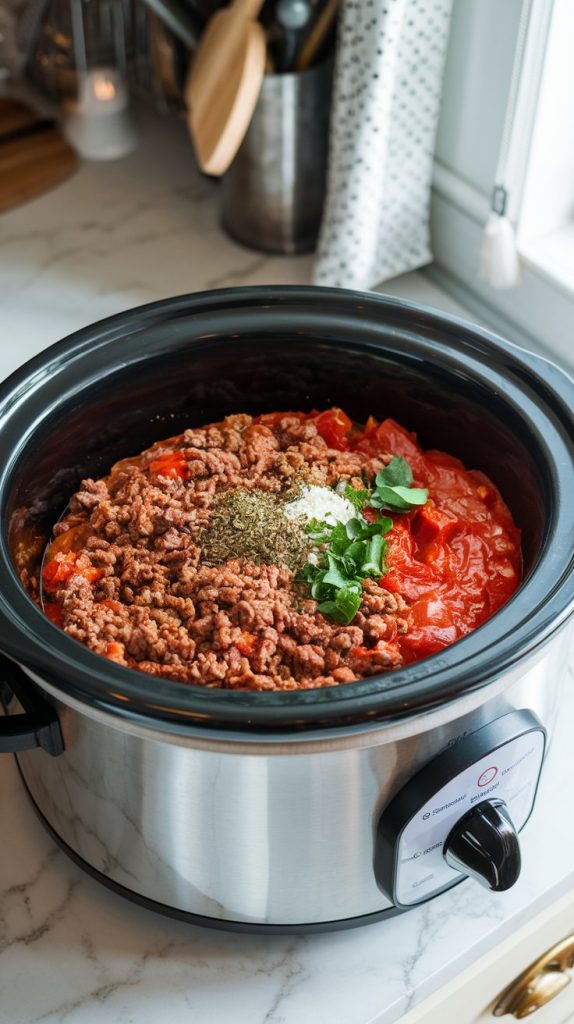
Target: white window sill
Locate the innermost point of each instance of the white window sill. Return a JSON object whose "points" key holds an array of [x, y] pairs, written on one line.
{"points": [[552, 256]]}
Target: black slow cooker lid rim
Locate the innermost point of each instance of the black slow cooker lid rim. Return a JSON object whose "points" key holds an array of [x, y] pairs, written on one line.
{"points": [[75, 671], [397, 697], [510, 357], [262, 719]]}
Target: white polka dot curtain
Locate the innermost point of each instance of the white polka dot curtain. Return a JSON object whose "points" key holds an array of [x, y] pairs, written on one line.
{"points": [[386, 99]]}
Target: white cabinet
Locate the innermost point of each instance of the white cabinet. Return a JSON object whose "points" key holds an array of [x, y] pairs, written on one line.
{"points": [[530, 971]]}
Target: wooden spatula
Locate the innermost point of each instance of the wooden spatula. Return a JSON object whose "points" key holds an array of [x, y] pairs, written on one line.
{"points": [[224, 83]]}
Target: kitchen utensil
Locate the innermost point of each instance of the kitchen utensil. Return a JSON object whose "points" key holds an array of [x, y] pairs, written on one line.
{"points": [[291, 17], [274, 191], [179, 19], [318, 33], [169, 59], [311, 809], [34, 156], [224, 83]]}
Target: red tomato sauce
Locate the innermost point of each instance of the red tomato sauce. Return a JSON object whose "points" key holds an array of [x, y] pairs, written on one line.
{"points": [[457, 559]]}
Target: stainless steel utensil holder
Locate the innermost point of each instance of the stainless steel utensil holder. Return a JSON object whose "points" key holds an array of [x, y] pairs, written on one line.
{"points": [[273, 192]]}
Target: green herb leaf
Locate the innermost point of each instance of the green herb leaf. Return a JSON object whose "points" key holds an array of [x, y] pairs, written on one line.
{"points": [[354, 528], [398, 473], [344, 606], [327, 607], [393, 489], [385, 524], [413, 495], [373, 564], [386, 497], [355, 555], [348, 601], [357, 498], [320, 590], [307, 573], [365, 530], [338, 541], [354, 551], [334, 576], [318, 531]]}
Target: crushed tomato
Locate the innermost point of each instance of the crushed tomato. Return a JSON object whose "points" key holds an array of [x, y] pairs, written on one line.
{"points": [[457, 559], [247, 644], [172, 464], [334, 426], [66, 564], [54, 613], [115, 651]]}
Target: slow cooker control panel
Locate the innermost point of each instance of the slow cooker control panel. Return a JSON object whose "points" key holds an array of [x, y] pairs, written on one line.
{"points": [[460, 815]]}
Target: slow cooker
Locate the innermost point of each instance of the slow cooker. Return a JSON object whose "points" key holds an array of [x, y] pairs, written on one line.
{"points": [[299, 810]]}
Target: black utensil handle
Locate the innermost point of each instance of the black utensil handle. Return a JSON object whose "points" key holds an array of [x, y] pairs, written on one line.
{"points": [[38, 726]]}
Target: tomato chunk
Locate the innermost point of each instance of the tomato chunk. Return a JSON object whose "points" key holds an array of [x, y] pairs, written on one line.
{"points": [[170, 464], [432, 528], [431, 627], [73, 539], [334, 426], [115, 651], [54, 613], [59, 569], [246, 644]]}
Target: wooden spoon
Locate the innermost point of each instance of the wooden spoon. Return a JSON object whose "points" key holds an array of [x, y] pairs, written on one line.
{"points": [[224, 83], [318, 33]]}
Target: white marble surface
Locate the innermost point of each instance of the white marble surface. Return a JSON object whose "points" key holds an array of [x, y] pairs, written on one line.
{"points": [[114, 236], [119, 234], [70, 951]]}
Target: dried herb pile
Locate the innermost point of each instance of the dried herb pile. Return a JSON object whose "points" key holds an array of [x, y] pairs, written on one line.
{"points": [[250, 525]]}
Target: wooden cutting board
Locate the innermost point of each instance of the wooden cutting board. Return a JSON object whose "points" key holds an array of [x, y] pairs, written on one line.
{"points": [[34, 156]]}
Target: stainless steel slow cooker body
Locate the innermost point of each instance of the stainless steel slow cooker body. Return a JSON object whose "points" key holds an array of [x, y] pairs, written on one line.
{"points": [[264, 810]]}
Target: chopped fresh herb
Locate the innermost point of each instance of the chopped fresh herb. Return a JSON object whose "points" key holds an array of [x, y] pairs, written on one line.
{"points": [[352, 551], [344, 606], [354, 527], [393, 489], [318, 531], [355, 550], [335, 576], [375, 548], [359, 529], [398, 473], [357, 498], [339, 541]]}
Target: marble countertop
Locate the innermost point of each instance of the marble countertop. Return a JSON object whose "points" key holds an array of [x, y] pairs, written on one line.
{"points": [[113, 236]]}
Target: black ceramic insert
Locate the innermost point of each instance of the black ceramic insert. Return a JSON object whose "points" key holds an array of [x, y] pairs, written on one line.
{"points": [[113, 388]]}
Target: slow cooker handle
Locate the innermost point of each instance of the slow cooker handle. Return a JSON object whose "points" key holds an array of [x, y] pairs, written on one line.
{"points": [[38, 726]]}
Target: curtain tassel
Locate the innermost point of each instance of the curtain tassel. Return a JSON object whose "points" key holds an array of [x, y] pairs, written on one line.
{"points": [[499, 264]]}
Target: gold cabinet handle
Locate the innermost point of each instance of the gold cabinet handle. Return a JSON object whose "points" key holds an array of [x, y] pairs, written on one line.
{"points": [[539, 983]]}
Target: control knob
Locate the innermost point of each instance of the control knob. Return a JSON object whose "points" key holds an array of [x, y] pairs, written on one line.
{"points": [[484, 845]]}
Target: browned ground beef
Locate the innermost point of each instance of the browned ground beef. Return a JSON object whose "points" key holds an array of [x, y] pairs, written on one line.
{"points": [[147, 600]]}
